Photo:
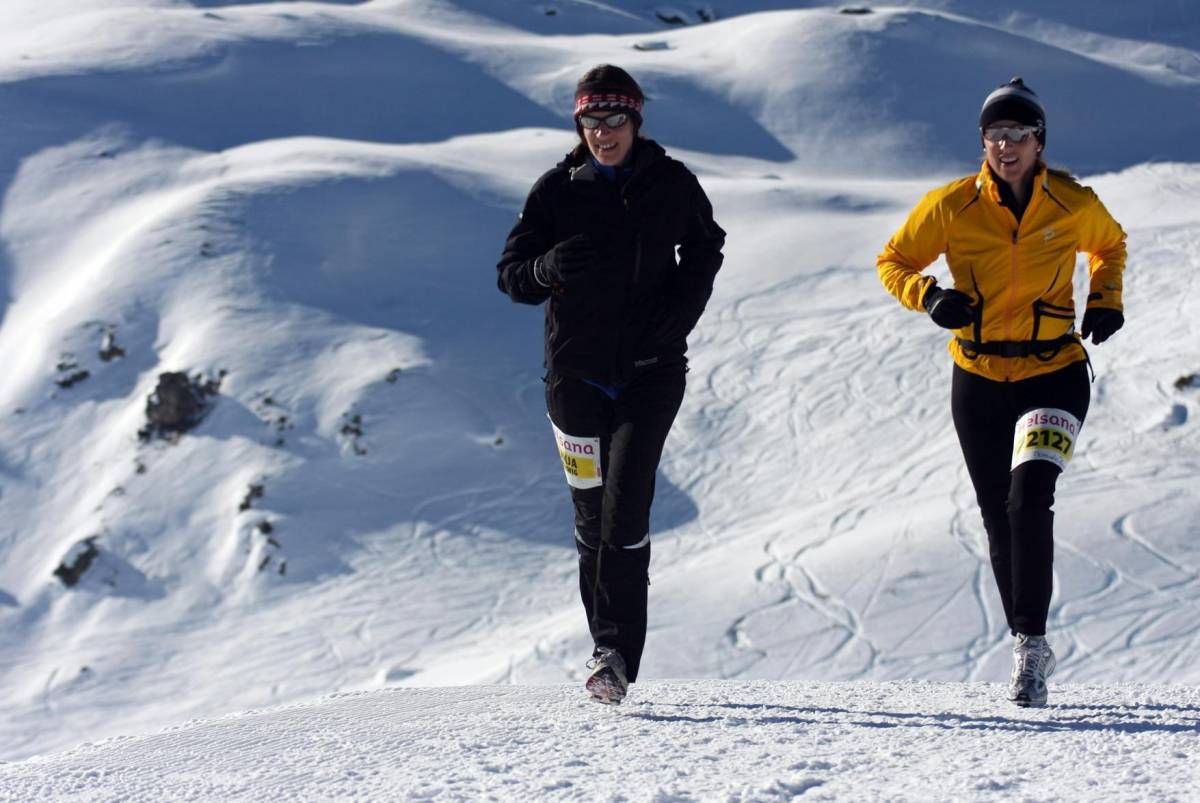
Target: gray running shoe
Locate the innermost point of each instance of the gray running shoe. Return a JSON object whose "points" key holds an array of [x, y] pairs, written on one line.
{"points": [[607, 682], [1033, 662]]}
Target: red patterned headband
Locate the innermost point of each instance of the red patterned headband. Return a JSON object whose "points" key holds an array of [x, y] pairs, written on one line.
{"points": [[607, 100]]}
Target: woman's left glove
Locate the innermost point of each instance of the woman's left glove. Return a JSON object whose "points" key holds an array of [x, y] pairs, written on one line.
{"points": [[1101, 323]]}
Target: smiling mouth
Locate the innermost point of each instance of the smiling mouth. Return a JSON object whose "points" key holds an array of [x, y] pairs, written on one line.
{"points": [[608, 147]]}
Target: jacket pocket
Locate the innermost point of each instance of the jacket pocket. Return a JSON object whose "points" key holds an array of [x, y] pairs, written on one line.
{"points": [[1051, 321]]}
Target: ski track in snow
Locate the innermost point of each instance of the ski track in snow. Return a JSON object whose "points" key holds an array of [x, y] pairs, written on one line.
{"points": [[835, 387]]}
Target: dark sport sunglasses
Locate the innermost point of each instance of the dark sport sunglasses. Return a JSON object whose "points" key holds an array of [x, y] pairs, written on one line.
{"points": [[611, 121], [1016, 133]]}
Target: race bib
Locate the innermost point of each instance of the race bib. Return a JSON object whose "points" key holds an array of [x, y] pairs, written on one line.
{"points": [[580, 459], [1045, 434]]}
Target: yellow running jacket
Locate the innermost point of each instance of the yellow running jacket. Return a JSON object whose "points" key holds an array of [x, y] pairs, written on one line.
{"points": [[1018, 276]]}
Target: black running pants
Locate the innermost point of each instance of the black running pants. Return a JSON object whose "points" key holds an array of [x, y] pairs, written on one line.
{"points": [[1016, 504], [612, 522]]}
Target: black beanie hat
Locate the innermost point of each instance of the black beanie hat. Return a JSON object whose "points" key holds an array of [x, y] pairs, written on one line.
{"points": [[605, 88], [1014, 101]]}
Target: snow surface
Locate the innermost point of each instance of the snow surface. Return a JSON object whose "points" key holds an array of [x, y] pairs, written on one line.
{"points": [[678, 741], [311, 197]]}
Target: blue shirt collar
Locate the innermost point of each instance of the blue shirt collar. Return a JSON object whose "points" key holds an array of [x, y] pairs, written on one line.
{"points": [[614, 172]]}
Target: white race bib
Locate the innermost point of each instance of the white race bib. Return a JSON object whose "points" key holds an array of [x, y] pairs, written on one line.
{"points": [[1045, 434], [580, 459]]}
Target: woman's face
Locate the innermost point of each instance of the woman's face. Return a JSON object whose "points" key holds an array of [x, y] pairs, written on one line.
{"points": [[1011, 160], [609, 146]]}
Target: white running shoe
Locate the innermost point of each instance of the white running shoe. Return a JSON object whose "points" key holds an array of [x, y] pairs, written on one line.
{"points": [[607, 682], [1033, 662]]}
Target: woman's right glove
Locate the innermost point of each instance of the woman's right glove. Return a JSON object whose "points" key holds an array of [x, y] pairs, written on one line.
{"points": [[565, 262], [1101, 323], [950, 309]]}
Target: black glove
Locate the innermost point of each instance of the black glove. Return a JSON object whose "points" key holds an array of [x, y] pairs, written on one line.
{"points": [[565, 262], [950, 309], [1101, 322]]}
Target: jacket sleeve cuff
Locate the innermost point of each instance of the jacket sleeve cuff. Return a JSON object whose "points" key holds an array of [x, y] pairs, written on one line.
{"points": [[929, 287], [537, 273], [1106, 299]]}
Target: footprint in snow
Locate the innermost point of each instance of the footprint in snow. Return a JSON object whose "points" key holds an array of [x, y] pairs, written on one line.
{"points": [[1177, 417], [396, 674]]}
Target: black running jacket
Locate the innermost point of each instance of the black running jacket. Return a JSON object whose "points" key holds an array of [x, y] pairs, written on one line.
{"points": [[634, 306]]}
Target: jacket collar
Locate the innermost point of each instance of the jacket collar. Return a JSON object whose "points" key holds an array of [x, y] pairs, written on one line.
{"points": [[646, 154], [985, 180]]}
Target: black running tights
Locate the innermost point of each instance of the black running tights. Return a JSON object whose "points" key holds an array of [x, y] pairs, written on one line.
{"points": [[612, 522], [1016, 504]]}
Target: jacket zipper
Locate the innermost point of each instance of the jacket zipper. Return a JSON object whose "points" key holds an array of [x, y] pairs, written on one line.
{"points": [[1016, 236], [619, 357], [637, 258], [1012, 287]]}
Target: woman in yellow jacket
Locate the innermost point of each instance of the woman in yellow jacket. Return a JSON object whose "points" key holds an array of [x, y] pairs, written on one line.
{"points": [[1020, 388]]}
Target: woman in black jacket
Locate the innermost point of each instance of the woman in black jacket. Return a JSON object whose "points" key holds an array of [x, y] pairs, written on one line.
{"points": [[597, 242]]}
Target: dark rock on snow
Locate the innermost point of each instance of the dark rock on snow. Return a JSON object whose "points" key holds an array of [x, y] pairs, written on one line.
{"points": [[77, 561], [178, 403]]}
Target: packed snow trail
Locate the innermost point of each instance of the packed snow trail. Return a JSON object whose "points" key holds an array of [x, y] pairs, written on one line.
{"points": [[670, 741]]}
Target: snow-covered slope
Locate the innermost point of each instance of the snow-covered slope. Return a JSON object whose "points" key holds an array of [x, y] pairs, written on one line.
{"points": [[305, 200]]}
